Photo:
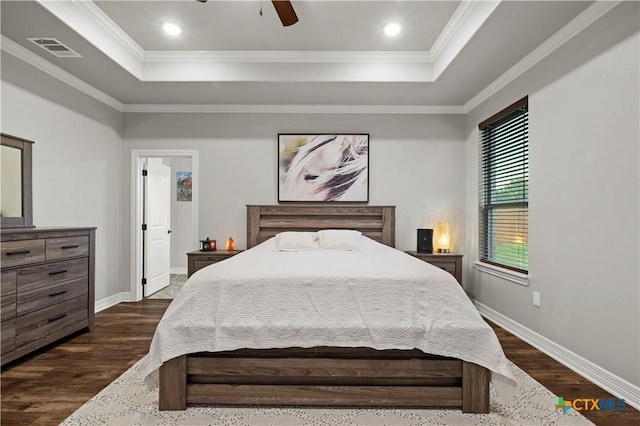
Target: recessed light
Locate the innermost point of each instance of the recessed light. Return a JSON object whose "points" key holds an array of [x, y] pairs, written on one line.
{"points": [[392, 29], [171, 28]]}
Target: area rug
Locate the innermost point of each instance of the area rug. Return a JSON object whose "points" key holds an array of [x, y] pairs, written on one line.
{"points": [[126, 401], [176, 282]]}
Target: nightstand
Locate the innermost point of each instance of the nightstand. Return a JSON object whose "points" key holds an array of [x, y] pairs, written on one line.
{"points": [[199, 259], [450, 262]]}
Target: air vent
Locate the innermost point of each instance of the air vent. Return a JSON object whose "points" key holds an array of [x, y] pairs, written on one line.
{"points": [[55, 47]]}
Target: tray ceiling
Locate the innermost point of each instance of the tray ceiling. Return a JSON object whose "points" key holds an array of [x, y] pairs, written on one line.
{"points": [[229, 58]]}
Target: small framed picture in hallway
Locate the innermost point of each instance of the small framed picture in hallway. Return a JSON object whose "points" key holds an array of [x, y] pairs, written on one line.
{"points": [[184, 182]]}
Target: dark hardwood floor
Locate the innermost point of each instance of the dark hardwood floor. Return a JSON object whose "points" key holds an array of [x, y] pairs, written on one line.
{"points": [[48, 386], [561, 380]]}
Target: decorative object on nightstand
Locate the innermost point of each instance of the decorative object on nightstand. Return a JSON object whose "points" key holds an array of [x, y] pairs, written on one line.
{"points": [[199, 259], [231, 245], [425, 240], [450, 262], [207, 245], [442, 239]]}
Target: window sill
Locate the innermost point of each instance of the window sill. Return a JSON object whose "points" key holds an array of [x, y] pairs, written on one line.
{"points": [[506, 274]]}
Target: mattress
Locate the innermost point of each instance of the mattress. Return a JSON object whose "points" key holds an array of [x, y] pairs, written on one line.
{"points": [[377, 297]]}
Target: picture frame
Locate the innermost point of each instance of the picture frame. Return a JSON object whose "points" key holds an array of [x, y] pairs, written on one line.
{"points": [[184, 183], [323, 167]]}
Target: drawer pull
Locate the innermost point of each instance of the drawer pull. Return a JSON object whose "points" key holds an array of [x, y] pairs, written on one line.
{"points": [[70, 247], [14, 253], [57, 293], [57, 317], [58, 272]]}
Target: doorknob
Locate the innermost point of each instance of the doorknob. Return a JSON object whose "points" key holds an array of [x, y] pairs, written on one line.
{"points": [[169, 231]]}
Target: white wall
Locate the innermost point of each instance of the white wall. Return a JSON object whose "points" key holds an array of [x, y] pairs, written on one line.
{"points": [[77, 161], [181, 220], [416, 163], [584, 197]]}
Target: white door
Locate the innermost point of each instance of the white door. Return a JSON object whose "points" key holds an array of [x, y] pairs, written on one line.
{"points": [[158, 220]]}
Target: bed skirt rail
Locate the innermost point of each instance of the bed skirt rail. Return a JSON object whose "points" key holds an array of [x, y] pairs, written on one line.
{"points": [[325, 377]]}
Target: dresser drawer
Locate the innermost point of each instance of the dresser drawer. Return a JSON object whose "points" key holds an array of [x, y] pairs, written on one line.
{"points": [[450, 267], [450, 262], [199, 264], [44, 275], [197, 260], [39, 324], [8, 330], [22, 252], [67, 247], [32, 300]]}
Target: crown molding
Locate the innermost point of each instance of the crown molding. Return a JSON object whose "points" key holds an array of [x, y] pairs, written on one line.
{"points": [[573, 28], [467, 22], [578, 24], [24, 54], [99, 29], [93, 24], [88, 21], [113, 29], [452, 27], [47, 67], [294, 109], [274, 56]]}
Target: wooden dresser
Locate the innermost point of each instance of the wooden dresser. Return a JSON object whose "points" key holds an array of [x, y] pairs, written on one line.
{"points": [[47, 286]]}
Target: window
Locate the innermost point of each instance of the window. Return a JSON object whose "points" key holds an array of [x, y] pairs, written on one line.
{"points": [[504, 188]]}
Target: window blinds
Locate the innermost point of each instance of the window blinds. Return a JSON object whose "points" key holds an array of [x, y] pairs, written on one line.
{"points": [[504, 188]]}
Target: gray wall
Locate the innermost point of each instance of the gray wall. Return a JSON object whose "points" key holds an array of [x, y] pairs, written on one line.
{"points": [[416, 163], [584, 197], [77, 161]]}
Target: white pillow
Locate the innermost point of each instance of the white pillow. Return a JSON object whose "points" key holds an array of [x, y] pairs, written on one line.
{"points": [[296, 241], [340, 239]]}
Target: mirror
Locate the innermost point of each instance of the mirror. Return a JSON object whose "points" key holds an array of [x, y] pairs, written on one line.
{"points": [[15, 174]]}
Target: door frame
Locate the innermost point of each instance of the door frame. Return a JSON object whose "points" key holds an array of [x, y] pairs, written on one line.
{"points": [[137, 157]]}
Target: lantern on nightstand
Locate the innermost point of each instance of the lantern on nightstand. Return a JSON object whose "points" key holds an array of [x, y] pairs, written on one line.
{"points": [[442, 238], [207, 245]]}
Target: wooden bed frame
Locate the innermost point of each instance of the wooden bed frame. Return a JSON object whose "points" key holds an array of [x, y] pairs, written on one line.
{"points": [[323, 376]]}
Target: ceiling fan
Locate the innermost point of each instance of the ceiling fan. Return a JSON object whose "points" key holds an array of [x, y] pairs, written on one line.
{"points": [[285, 11]]}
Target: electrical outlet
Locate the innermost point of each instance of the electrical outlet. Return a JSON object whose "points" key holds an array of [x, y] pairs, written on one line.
{"points": [[536, 299]]}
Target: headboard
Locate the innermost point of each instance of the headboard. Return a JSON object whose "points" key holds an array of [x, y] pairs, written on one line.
{"points": [[376, 222]]}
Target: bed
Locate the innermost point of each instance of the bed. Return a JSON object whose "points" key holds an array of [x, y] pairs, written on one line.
{"points": [[368, 374]]}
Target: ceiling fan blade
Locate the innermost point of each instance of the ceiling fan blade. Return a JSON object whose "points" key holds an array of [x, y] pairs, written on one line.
{"points": [[285, 12]]}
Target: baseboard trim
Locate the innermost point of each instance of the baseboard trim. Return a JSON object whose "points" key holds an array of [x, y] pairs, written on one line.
{"points": [[599, 376], [182, 270], [110, 301]]}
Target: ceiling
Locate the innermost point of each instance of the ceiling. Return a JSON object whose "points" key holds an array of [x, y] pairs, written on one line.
{"points": [[335, 59]]}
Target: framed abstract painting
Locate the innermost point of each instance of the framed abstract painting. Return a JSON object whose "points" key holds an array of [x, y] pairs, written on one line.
{"points": [[323, 168]]}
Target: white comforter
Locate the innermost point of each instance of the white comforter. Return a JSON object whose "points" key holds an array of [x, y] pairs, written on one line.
{"points": [[378, 297]]}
